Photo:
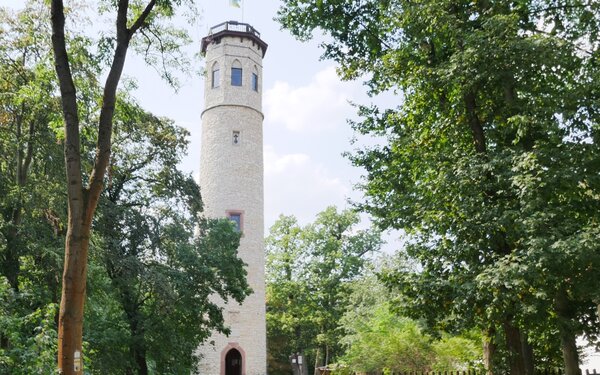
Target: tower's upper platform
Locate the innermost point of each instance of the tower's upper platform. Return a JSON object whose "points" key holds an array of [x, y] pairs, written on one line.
{"points": [[235, 29]]}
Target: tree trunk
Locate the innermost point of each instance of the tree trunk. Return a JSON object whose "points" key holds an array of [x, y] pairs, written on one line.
{"points": [[489, 350], [83, 201], [11, 264], [317, 355], [568, 337], [527, 354], [304, 365], [70, 322], [140, 360], [515, 350]]}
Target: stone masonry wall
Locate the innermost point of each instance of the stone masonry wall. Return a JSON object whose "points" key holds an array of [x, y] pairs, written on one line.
{"points": [[231, 179]]}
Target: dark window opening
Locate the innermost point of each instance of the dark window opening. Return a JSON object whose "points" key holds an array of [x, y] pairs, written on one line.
{"points": [[236, 76], [233, 362], [236, 218]]}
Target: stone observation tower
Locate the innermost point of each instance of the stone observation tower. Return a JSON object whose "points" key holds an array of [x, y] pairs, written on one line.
{"points": [[231, 179]]}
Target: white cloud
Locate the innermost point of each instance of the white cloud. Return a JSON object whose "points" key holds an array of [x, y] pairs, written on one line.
{"points": [[320, 105], [297, 185]]}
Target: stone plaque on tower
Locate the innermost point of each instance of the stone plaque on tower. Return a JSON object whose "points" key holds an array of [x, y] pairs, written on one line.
{"points": [[231, 182]]}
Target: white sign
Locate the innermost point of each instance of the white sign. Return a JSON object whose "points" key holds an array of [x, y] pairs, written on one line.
{"points": [[77, 361]]}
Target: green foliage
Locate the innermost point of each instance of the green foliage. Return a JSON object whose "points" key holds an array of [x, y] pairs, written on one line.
{"points": [[387, 341], [156, 275], [490, 164], [29, 331], [376, 338], [154, 259], [457, 352], [308, 272], [31, 208]]}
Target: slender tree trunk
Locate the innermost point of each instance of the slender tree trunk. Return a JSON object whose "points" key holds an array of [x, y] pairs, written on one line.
{"points": [[527, 354], [70, 322], [304, 365], [475, 123], [140, 360], [83, 201], [137, 346], [317, 355], [515, 350], [11, 264], [567, 335], [489, 350]]}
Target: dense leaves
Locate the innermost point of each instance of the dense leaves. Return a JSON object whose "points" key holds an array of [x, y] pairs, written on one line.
{"points": [[490, 164], [155, 259], [309, 270], [157, 271], [32, 207]]}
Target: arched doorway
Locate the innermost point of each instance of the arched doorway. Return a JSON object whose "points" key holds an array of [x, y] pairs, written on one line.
{"points": [[233, 362]]}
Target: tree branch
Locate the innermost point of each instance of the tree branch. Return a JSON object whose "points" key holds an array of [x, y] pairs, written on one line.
{"points": [[28, 156], [142, 18], [109, 99], [69, 107]]}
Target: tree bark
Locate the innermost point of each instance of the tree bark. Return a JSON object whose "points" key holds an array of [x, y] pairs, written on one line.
{"points": [[475, 123], [489, 350], [82, 201], [527, 354], [516, 360], [11, 263], [564, 311], [317, 355]]}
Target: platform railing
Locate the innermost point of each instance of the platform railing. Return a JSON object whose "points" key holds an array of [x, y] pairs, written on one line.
{"points": [[234, 26]]}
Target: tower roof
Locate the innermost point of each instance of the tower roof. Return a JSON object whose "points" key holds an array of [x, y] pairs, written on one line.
{"points": [[233, 28]]}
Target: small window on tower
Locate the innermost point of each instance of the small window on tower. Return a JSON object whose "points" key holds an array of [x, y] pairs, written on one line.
{"points": [[254, 81], [236, 138], [236, 76], [236, 218], [236, 73], [216, 76]]}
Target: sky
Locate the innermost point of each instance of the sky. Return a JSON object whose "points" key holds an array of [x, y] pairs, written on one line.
{"points": [[305, 106]]}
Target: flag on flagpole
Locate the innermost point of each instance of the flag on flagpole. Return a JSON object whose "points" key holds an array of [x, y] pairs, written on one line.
{"points": [[235, 3]]}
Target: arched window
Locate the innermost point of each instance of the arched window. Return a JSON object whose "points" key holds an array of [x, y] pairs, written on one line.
{"points": [[236, 73], [233, 362], [215, 76], [255, 79]]}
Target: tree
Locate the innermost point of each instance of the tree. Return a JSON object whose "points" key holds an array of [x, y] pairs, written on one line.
{"points": [[83, 194], [161, 273], [376, 338], [31, 208], [491, 162], [308, 272]]}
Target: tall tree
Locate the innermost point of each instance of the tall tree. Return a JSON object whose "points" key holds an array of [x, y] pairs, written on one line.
{"points": [[491, 162], [83, 190], [161, 272], [31, 206], [308, 273]]}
